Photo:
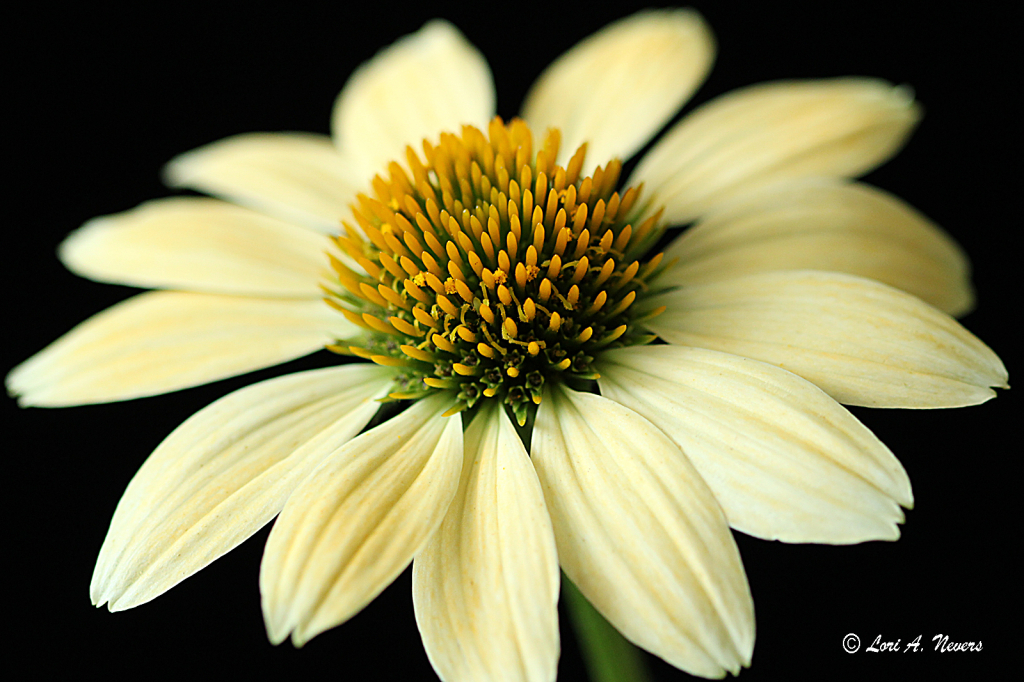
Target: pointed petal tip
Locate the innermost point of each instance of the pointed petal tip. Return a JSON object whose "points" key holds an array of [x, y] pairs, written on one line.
{"points": [[180, 171], [277, 631]]}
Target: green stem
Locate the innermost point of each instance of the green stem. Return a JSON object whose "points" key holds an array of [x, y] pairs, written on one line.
{"points": [[609, 657]]}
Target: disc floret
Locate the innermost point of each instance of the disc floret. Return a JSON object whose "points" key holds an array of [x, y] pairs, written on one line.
{"points": [[488, 270]]}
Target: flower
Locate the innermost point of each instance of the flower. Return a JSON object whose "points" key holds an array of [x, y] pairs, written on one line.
{"points": [[641, 503]]}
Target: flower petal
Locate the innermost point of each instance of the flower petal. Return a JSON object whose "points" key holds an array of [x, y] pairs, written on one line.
{"points": [[163, 341], [641, 535], [759, 135], [358, 520], [617, 88], [298, 177], [485, 588], [825, 224], [224, 473], [199, 245], [785, 461], [431, 81], [863, 342]]}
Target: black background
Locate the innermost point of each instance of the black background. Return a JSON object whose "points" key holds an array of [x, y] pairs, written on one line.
{"points": [[103, 98]]}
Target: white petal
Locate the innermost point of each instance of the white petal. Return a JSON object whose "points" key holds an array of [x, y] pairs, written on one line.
{"points": [[863, 342], [641, 535], [823, 224], [224, 473], [485, 588], [297, 177], [163, 341], [617, 88], [199, 245], [431, 81], [785, 461], [358, 520], [757, 136]]}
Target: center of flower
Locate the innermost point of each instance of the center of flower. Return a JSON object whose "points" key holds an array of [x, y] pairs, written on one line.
{"points": [[491, 270]]}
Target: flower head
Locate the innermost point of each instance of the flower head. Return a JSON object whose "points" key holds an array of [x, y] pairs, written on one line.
{"points": [[492, 277]]}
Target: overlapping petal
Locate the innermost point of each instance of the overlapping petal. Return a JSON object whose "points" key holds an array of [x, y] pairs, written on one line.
{"points": [[485, 588], [863, 342], [199, 245], [297, 177], [162, 341], [785, 461], [431, 81], [760, 135], [358, 520], [224, 473], [617, 88], [640, 533], [826, 224]]}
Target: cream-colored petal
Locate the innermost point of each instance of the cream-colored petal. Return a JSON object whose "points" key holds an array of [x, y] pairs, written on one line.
{"points": [[641, 535], [826, 224], [863, 342], [431, 81], [485, 588], [760, 135], [785, 461], [199, 244], [617, 88], [298, 177], [224, 473], [162, 341], [358, 520]]}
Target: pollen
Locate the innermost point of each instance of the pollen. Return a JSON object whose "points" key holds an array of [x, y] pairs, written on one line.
{"points": [[487, 269]]}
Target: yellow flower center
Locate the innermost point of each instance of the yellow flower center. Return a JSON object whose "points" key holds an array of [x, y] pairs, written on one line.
{"points": [[492, 270]]}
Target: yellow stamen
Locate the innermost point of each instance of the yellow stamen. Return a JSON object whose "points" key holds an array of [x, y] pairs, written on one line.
{"points": [[606, 272], [544, 290], [404, 327], [581, 244], [415, 291], [580, 220], [388, 361], [447, 306], [580, 271], [555, 268], [434, 283], [521, 276], [442, 343], [424, 317], [361, 352], [418, 354], [597, 217], [380, 325], [464, 291], [453, 252], [529, 310]]}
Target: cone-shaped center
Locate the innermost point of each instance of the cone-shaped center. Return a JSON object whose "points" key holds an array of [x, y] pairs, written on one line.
{"points": [[491, 269]]}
